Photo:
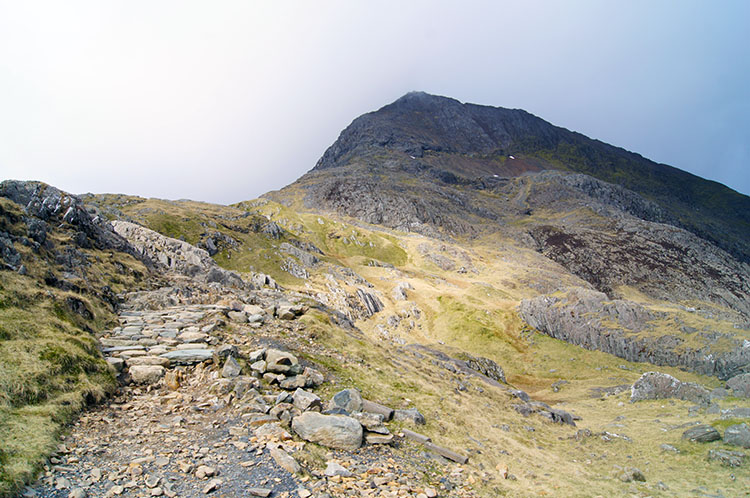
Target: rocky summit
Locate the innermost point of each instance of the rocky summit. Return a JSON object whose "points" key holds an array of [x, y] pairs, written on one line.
{"points": [[456, 301]]}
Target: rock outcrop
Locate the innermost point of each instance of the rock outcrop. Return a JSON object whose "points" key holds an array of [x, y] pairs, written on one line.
{"points": [[589, 319], [176, 255], [657, 385]]}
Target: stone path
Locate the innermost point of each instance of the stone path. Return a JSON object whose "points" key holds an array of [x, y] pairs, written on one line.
{"points": [[183, 426]]}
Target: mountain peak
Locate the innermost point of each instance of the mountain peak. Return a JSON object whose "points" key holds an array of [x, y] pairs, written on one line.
{"points": [[420, 98], [419, 122]]}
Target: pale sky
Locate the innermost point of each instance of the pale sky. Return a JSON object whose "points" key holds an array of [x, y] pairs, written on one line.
{"points": [[222, 101]]}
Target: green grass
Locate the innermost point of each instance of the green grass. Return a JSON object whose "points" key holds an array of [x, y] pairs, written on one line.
{"points": [[50, 366]]}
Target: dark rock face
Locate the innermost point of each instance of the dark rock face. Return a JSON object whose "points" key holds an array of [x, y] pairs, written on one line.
{"points": [[588, 318], [49, 204], [419, 122]]}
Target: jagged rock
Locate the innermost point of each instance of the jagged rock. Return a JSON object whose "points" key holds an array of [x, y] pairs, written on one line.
{"points": [[701, 434], [740, 385], [486, 367], [146, 374], [399, 292], [348, 400], [313, 378], [257, 355], [175, 254], [231, 368], [370, 301], [305, 400], [280, 361], [259, 366], [52, 205], [727, 458], [333, 431], [304, 257], [224, 351], [409, 415], [657, 385], [738, 435]]}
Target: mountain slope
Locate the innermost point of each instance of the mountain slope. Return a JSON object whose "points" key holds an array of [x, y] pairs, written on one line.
{"points": [[470, 141], [481, 176]]}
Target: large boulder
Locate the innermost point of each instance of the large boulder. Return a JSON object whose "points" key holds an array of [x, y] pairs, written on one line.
{"points": [[657, 385], [740, 385], [333, 431], [738, 435], [146, 374], [701, 434]]}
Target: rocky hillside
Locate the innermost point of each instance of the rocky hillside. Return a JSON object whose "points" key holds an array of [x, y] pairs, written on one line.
{"points": [[260, 351], [628, 227], [444, 139]]}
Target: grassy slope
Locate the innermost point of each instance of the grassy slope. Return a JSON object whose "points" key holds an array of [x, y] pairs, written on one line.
{"points": [[50, 366], [475, 312]]}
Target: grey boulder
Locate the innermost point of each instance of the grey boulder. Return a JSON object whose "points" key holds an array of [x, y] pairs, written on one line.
{"points": [[333, 431], [657, 385], [738, 435], [146, 374], [740, 385], [348, 400]]}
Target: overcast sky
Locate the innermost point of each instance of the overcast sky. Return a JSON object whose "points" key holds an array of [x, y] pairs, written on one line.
{"points": [[223, 101]]}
